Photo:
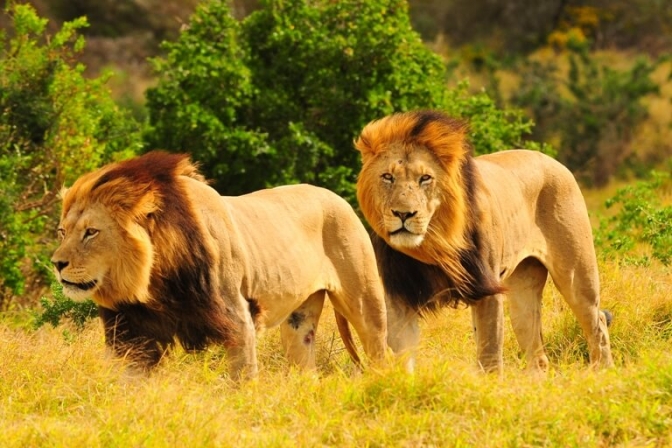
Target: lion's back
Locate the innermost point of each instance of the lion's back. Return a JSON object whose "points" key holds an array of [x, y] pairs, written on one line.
{"points": [[309, 207], [299, 233], [529, 169]]}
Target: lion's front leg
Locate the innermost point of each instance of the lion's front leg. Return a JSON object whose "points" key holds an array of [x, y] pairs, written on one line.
{"points": [[242, 348], [487, 317], [403, 332]]}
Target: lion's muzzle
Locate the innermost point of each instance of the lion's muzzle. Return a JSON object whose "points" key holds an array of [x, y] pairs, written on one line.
{"points": [[60, 265]]}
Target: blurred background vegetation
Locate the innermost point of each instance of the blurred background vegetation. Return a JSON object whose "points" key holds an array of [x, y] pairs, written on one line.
{"points": [[274, 91]]}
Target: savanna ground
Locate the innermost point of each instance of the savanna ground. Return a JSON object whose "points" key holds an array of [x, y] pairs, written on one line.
{"points": [[58, 389]]}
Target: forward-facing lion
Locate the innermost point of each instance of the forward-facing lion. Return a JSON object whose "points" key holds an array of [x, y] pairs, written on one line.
{"points": [[166, 258], [451, 228]]}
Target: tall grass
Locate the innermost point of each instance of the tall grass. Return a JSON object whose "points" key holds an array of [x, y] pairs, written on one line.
{"points": [[58, 389]]}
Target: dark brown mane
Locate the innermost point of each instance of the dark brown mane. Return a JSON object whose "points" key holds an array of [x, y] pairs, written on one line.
{"points": [[184, 303]]}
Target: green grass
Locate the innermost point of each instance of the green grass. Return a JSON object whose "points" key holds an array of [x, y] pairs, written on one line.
{"points": [[57, 388]]}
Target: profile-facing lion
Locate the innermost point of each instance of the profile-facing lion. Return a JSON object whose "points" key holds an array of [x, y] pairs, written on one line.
{"points": [[451, 228], [166, 259]]}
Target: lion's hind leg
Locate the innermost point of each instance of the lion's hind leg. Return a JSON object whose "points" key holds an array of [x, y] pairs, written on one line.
{"points": [[526, 286], [581, 291], [297, 333]]}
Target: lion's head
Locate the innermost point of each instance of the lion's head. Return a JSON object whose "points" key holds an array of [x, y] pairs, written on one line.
{"points": [[411, 187], [108, 226]]}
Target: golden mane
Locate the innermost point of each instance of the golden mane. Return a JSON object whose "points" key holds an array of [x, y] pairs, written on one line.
{"points": [[446, 138], [141, 194]]}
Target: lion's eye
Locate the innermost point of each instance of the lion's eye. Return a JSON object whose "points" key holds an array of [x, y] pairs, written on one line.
{"points": [[425, 179], [90, 233], [387, 177], [61, 233]]}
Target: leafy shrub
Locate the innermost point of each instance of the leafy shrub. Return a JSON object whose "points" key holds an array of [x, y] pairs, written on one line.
{"points": [[60, 307], [279, 97], [54, 126], [641, 229]]}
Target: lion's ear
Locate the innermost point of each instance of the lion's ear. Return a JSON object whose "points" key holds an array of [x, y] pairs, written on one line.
{"points": [[135, 201], [147, 205], [363, 145]]}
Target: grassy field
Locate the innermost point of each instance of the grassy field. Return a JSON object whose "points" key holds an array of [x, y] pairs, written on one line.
{"points": [[58, 389]]}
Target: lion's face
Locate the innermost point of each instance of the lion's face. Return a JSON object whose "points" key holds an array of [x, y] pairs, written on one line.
{"points": [[99, 258], [401, 194]]}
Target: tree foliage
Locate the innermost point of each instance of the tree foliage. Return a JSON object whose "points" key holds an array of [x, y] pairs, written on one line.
{"points": [[521, 26], [54, 125], [279, 96]]}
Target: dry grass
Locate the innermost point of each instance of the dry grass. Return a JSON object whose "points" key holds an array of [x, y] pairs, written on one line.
{"points": [[58, 390]]}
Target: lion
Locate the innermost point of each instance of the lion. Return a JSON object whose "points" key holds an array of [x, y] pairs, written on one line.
{"points": [[167, 259], [449, 228]]}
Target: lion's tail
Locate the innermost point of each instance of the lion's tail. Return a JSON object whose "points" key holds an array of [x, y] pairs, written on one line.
{"points": [[346, 335]]}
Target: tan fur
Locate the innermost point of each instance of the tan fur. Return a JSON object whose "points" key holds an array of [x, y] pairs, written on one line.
{"points": [[139, 231], [503, 220]]}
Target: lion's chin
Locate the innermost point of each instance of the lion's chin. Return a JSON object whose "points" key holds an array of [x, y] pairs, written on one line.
{"points": [[79, 291], [406, 240]]}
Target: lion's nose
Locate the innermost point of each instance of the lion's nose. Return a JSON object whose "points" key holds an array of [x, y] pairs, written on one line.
{"points": [[403, 215], [60, 265]]}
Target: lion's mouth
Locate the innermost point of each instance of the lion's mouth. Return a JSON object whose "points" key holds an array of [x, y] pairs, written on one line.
{"points": [[405, 238], [83, 286]]}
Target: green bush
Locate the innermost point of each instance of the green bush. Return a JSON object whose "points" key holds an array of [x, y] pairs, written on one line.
{"points": [[60, 307], [279, 97], [641, 228], [54, 126], [492, 128]]}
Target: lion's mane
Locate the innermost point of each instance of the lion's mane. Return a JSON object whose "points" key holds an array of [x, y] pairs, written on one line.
{"points": [[449, 268], [162, 285]]}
